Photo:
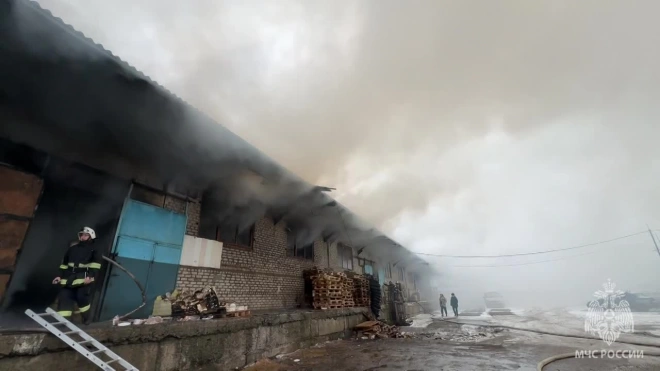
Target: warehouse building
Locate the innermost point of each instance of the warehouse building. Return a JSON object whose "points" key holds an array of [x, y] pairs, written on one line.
{"points": [[175, 197]]}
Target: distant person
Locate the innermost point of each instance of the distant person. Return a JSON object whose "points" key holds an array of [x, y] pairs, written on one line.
{"points": [[454, 304], [443, 306]]}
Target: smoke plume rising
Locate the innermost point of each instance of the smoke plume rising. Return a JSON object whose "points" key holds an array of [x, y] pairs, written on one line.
{"points": [[466, 127]]}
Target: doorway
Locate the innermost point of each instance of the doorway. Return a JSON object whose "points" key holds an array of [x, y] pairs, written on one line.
{"points": [[149, 244]]}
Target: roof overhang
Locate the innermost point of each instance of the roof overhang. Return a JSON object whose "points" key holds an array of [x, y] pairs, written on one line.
{"points": [[68, 96]]}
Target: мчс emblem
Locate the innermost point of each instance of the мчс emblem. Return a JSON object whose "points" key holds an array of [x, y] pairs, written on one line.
{"points": [[609, 314]]}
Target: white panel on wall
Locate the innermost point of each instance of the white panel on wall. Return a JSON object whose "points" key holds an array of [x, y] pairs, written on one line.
{"points": [[200, 252]]}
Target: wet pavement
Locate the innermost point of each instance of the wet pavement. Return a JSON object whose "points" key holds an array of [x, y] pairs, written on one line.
{"points": [[447, 346]]}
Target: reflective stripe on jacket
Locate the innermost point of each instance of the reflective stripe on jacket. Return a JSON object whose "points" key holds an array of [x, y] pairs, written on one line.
{"points": [[81, 260]]}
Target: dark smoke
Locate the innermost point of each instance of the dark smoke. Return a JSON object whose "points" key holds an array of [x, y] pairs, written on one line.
{"points": [[57, 76]]}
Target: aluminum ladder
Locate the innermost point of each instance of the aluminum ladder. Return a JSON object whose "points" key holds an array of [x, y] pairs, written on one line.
{"points": [[81, 346]]}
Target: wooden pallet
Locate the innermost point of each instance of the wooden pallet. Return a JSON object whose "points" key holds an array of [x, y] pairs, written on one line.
{"points": [[325, 307], [330, 301], [328, 293]]}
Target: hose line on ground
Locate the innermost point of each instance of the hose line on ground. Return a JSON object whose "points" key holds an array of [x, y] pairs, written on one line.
{"points": [[558, 357], [643, 344]]}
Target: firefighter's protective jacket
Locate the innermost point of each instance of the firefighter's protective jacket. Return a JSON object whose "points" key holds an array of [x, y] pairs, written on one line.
{"points": [[81, 260]]}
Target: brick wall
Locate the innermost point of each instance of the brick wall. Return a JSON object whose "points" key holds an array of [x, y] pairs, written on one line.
{"points": [[191, 208], [178, 205], [334, 257], [321, 253], [194, 210], [262, 277]]}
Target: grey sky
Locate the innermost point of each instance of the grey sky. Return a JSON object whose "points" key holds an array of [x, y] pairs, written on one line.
{"points": [[458, 127]]}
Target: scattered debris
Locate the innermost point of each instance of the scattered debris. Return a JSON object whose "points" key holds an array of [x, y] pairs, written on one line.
{"points": [[465, 334], [188, 306], [195, 303], [378, 329], [153, 320]]}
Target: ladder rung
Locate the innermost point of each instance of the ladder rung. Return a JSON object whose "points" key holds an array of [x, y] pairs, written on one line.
{"points": [[84, 347]]}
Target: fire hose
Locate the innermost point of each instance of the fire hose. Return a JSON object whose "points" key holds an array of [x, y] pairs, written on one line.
{"points": [[139, 285], [558, 357]]}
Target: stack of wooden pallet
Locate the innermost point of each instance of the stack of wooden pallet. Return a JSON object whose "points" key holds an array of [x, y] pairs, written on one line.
{"points": [[328, 291], [361, 293], [349, 286]]}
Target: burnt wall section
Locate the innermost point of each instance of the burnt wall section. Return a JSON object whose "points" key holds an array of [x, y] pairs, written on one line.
{"points": [[177, 203], [73, 196], [226, 344], [194, 213], [263, 276], [19, 195]]}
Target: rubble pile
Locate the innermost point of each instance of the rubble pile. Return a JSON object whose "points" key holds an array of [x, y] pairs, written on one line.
{"points": [[378, 329], [465, 334], [188, 306], [199, 302]]}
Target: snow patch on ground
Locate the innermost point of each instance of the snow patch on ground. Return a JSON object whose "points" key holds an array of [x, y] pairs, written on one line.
{"points": [[485, 316], [422, 320], [466, 333]]}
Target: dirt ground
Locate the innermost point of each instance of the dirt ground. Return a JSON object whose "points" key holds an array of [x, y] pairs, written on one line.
{"points": [[445, 346]]}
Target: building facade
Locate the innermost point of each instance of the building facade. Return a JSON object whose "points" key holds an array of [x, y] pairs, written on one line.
{"points": [[140, 175]]}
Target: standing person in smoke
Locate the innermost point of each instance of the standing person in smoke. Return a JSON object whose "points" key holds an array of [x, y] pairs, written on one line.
{"points": [[443, 306], [454, 304], [78, 271]]}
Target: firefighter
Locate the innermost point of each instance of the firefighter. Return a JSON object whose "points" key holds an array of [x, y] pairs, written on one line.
{"points": [[78, 271]]}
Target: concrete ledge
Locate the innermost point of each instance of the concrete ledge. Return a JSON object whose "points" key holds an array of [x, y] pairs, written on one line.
{"points": [[229, 342]]}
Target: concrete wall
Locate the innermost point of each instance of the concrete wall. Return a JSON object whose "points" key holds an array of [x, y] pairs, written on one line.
{"points": [[226, 343], [263, 276]]}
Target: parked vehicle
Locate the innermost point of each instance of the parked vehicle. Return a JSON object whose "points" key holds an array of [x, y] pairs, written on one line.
{"points": [[494, 300]]}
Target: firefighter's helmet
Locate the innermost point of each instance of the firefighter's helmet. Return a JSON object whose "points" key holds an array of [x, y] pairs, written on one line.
{"points": [[89, 231]]}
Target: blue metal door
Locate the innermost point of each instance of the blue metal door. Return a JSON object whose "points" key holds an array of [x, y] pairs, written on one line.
{"points": [[149, 244]]}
